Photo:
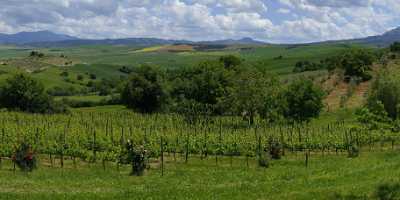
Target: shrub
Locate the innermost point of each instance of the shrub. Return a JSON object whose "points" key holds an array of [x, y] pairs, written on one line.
{"points": [[358, 63], [388, 191], [23, 93], [64, 73], [353, 151], [125, 70], [136, 156], [386, 90], [79, 77], [303, 66], [275, 149], [264, 159], [24, 157], [304, 100], [395, 47], [144, 91], [93, 76], [230, 61]]}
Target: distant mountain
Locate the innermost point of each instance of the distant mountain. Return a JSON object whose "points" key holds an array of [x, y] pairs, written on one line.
{"points": [[243, 41], [33, 37], [50, 39], [127, 41], [143, 42], [381, 40]]}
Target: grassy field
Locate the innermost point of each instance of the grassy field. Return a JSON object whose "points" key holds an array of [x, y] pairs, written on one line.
{"points": [[326, 177]]}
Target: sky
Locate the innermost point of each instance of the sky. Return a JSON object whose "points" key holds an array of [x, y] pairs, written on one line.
{"points": [[277, 21]]}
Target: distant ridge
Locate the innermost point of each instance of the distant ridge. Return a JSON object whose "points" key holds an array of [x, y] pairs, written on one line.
{"points": [[50, 39], [143, 42], [32, 37], [381, 40]]}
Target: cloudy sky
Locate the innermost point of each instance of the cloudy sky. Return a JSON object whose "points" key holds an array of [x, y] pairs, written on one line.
{"points": [[284, 21]]}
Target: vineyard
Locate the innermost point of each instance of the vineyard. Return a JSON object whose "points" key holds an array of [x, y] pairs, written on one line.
{"points": [[100, 137]]}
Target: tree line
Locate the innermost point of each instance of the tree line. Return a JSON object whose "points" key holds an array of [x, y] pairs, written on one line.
{"points": [[226, 86]]}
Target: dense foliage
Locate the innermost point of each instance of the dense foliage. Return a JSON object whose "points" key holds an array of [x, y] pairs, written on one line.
{"points": [[395, 47], [357, 63], [303, 66], [23, 93], [144, 91], [304, 100]]}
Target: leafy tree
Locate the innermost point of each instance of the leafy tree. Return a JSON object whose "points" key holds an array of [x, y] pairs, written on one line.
{"points": [[144, 91], [253, 93], [230, 61], [395, 47], [304, 100], [21, 92], [204, 83], [79, 77], [93, 76], [386, 90], [358, 63], [303, 66]]}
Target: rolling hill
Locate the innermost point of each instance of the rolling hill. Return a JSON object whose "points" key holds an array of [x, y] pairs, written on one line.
{"points": [[48, 39], [33, 37], [382, 40]]}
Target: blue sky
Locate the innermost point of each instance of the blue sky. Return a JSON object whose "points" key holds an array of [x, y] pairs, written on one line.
{"points": [[278, 21]]}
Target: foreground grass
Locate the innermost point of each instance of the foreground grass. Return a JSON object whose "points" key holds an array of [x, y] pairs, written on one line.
{"points": [[325, 178]]}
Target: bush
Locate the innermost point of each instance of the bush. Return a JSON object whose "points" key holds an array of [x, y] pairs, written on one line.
{"points": [[136, 156], [79, 77], [125, 70], [358, 63], [303, 66], [144, 91], [388, 191], [93, 76], [24, 157], [304, 100], [64, 74], [63, 91], [36, 54], [353, 151], [23, 93], [264, 159], [395, 47], [230, 61], [386, 90], [275, 149]]}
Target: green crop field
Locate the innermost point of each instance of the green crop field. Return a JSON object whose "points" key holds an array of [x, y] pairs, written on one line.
{"points": [[78, 158], [328, 177]]}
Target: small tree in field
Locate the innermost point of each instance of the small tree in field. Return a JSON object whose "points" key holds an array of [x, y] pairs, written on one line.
{"points": [[23, 93], [230, 61], [251, 94], [395, 47], [304, 100], [144, 90], [24, 157]]}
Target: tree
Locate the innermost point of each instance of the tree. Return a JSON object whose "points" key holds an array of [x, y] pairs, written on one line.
{"points": [[204, 83], [253, 93], [21, 92], [144, 91], [230, 61], [93, 76], [395, 47], [304, 100], [386, 90], [357, 63]]}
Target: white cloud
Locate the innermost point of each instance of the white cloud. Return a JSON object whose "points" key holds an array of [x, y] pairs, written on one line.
{"points": [[309, 20]]}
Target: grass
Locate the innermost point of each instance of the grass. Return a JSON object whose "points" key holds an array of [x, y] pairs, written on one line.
{"points": [[104, 61], [288, 178]]}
